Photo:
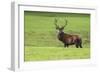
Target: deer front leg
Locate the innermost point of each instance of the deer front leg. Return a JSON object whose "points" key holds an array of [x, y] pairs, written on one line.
{"points": [[66, 45]]}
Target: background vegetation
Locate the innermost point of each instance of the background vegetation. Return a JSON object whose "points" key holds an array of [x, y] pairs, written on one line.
{"points": [[41, 41]]}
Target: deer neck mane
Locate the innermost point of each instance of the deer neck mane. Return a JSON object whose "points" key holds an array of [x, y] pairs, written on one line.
{"points": [[61, 35]]}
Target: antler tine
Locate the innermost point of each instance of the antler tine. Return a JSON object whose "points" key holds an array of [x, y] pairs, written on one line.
{"points": [[56, 23], [65, 23]]}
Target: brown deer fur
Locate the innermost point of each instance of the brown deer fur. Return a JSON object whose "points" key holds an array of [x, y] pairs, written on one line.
{"points": [[68, 39]]}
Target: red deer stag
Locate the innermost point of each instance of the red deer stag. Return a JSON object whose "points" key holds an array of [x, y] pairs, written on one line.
{"points": [[68, 39]]}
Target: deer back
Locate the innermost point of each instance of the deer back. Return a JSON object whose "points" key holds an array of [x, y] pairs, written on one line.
{"points": [[71, 39]]}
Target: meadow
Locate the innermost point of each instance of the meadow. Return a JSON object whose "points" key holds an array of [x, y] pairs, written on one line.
{"points": [[40, 35]]}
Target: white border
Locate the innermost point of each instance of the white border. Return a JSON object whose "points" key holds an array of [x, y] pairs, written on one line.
{"points": [[17, 61]]}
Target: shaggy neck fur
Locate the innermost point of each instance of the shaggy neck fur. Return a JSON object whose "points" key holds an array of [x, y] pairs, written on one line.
{"points": [[60, 36]]}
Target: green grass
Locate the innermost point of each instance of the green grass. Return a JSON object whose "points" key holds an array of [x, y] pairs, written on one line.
{"points": [[40, 35], [54, 53]]}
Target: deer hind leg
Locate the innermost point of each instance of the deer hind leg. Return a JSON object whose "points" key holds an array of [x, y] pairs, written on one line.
{"points": [[78, 43]]}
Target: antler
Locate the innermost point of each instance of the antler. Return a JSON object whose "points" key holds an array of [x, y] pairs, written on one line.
{"points": [[56, 23], [65, 24]]}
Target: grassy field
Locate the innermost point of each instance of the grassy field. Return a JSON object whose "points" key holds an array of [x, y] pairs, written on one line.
{"points": [[41, 41], [53, 53]]}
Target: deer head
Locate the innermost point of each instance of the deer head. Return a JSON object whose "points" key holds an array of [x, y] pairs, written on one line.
{"points": [[60, 29]]}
